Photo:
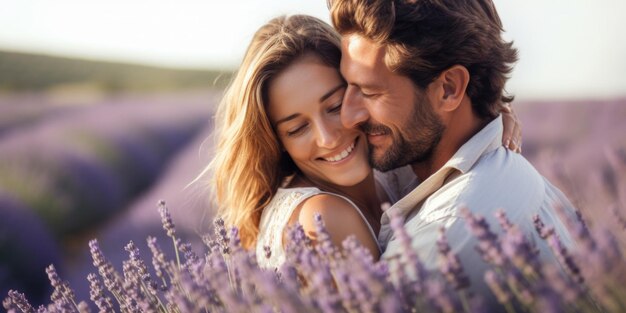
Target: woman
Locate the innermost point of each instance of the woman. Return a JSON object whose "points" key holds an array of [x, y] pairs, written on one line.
{"points": [[282, 154]]}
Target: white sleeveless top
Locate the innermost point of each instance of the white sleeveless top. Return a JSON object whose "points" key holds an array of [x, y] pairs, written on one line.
{"points": [[275, 218]]}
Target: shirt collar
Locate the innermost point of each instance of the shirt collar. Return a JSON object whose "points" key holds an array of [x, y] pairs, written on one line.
{"points": [[486, 140]]}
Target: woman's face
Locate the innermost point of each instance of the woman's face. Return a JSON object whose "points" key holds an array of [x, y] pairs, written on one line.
{"points": [[304, 107]]}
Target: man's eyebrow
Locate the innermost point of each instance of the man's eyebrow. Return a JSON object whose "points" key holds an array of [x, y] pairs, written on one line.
{"points": [[331, 92], [365, 85]]}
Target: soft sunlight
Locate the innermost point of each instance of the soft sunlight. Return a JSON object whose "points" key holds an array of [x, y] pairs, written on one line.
{"points": [[568, 49]]}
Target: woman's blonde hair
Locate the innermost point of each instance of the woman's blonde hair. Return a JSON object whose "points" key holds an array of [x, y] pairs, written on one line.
{"points": [[249, 164]]}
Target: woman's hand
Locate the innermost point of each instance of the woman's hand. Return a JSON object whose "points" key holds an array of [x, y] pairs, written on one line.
{"points": [[512, 134]]}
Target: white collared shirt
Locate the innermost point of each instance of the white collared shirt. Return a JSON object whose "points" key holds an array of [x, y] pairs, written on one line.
{"points": [[484, 177]]}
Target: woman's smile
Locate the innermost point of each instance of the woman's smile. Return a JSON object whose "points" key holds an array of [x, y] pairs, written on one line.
{"points": [[342, 157]]}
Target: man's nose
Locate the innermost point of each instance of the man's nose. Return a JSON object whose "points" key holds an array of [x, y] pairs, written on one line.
{"points": [[353, 111]]}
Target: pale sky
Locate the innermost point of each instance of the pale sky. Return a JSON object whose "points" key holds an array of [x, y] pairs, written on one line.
{"points": [[568, 48]]}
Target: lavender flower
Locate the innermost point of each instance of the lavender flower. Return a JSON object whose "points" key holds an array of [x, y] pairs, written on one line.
{"points": [[503, 220], [450, 265], [416, 267], [325, 246], [323, 278], [543, 231], [140, 267], [497, 286], [160, 265], [222, 236], [440, 298], [17, 300], [110, 277], [97, 295], [564, 257], [62, 290], [520, 252], [166, 219], [488, 245], [408, 274]]}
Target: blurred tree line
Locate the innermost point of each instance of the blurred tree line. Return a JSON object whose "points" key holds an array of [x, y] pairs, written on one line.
{"points": [[31, 72]]}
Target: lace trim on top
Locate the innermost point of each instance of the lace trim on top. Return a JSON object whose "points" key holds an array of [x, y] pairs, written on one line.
{"points": [[275, 218]]}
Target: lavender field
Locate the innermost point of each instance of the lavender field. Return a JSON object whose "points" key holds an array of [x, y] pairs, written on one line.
{"points": [[71, 175], [581, 147], [66, 171]]}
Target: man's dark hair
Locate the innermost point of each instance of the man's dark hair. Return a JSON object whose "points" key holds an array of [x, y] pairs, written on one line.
{"points": [[423, 38]]}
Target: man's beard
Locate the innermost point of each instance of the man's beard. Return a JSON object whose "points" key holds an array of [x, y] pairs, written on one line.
{"points": [[425, 130]]}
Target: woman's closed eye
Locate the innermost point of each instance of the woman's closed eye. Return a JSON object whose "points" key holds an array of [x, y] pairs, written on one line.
{"points": [[336, 108], [296, 131]]}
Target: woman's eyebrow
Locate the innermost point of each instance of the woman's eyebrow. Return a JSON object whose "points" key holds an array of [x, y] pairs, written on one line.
{"points": [[286, 119], [322, 99], [331, 92]]}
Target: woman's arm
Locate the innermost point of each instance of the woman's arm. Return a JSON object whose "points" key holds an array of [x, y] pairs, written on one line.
{"points": [[340, 218], [512, 134]]}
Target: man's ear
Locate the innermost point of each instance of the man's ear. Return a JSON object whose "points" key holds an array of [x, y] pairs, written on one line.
{"points": [[453, 83]]}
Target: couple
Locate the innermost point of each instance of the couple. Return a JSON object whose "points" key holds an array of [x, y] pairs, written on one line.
{"points": [[411, 88]]}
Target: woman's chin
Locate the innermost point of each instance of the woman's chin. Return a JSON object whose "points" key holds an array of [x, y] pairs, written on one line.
{"points": [[351, 178]]}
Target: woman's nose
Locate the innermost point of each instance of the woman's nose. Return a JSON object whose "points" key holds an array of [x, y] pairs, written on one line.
{"points": [[329, 134]]}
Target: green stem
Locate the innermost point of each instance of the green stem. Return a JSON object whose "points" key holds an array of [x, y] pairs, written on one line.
{"points": [[464, 302], [176, 250]]}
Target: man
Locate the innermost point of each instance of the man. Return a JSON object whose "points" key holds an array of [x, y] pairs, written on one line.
{"points": [[425, 79]]}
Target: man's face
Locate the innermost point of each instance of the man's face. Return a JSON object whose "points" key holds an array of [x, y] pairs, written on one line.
{"points": [[397, 117]]}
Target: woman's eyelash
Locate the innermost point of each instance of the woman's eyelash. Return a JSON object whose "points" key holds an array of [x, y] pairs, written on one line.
{"points": [[298, 130], [336, 108], [295, 131]]}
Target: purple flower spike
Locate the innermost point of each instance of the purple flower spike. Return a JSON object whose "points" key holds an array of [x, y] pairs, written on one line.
{"points": [[520, 252], [96, 294], [141, 268], [564, 287], [503, 220], [324, 244], [110, 277], [543, 231], [565, 258], [222, 235], [408, 273], [62, 289], [409, 254], [158, 260], [55, 282], [18, 300], [450, 265], [96, 253], [83, 307], [497, 287], [517, 283], [235, 240], [579, 228], [488, 245], [439, 298], [166, 219]]}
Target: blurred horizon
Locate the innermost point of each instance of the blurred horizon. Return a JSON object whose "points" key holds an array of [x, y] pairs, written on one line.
{"points": [[568, 49]]}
